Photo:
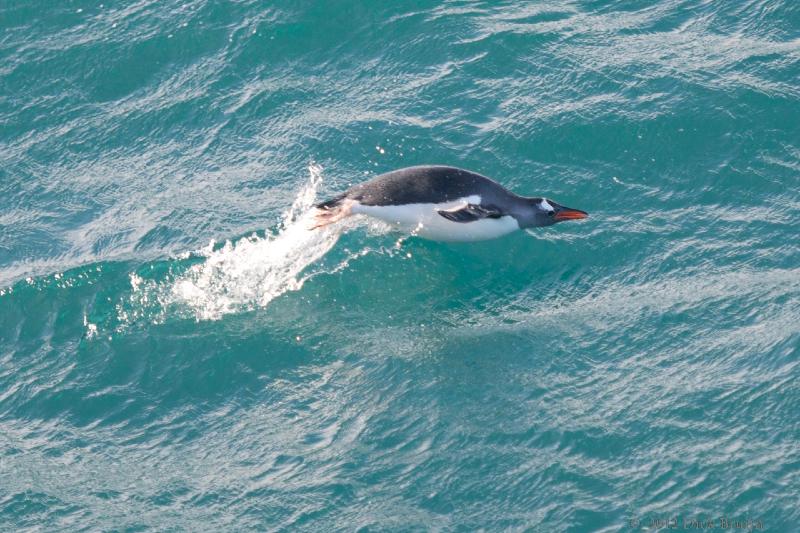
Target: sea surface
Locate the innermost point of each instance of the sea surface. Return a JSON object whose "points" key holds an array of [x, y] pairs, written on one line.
{"points": [[179, 353]]}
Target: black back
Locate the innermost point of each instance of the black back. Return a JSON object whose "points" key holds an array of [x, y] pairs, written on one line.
{"points": [[429, 184]]}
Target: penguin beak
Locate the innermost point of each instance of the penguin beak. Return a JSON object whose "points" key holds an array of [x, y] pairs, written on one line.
{"points": [[567, 213]]}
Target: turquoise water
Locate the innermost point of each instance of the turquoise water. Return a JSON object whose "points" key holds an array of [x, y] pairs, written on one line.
{"points": [[178, 353]]}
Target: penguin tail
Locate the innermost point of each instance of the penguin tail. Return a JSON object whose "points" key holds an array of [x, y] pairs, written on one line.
{"points": [[332, 203], [331, 211]]}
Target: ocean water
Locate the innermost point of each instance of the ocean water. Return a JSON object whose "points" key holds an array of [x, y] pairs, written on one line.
{"points": [[178, 353]]}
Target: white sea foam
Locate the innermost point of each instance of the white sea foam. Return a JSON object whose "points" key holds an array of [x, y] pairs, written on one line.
{"points": [[250, 272], [254, 270]]}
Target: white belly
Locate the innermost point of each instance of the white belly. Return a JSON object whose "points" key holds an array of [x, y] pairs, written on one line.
{"points": [[425, 221]]}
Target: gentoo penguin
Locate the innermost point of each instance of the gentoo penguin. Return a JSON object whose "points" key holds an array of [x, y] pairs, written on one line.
{"points": [[444, 204]]}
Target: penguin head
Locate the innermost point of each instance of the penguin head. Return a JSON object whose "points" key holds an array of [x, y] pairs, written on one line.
{"points": [[545, 212]]}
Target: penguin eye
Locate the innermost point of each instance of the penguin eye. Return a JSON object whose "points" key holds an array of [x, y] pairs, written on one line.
{"points": [[551, 213]]}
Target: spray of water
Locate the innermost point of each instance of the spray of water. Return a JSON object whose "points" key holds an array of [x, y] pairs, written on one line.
{"points": [[254, 270], [247, 273]]}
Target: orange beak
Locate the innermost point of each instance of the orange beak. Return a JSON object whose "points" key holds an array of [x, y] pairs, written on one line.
{"points": [[566, 213]]}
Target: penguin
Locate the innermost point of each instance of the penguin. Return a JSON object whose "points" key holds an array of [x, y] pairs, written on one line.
{"points": [[444, 203]]}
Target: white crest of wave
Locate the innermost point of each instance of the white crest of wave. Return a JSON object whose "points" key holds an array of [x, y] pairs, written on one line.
{"points": [[254, 270]]}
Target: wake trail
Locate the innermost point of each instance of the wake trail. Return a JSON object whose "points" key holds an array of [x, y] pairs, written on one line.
{"points": [[253, 271]]}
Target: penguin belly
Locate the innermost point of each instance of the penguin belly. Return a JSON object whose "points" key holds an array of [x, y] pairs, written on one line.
{"points": [[425, 221]]}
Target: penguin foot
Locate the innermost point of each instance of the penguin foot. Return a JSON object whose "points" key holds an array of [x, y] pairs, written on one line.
{"points": [[324, 216]]}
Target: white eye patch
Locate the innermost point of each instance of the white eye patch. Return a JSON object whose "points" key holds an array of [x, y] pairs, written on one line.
{"points": [[545, 205]]}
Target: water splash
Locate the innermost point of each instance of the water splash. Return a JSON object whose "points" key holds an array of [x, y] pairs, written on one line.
{"points": [[254, 270], [247, 273]]}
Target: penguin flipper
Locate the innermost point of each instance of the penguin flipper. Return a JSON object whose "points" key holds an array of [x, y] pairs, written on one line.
{"points": [[471, 213]]}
